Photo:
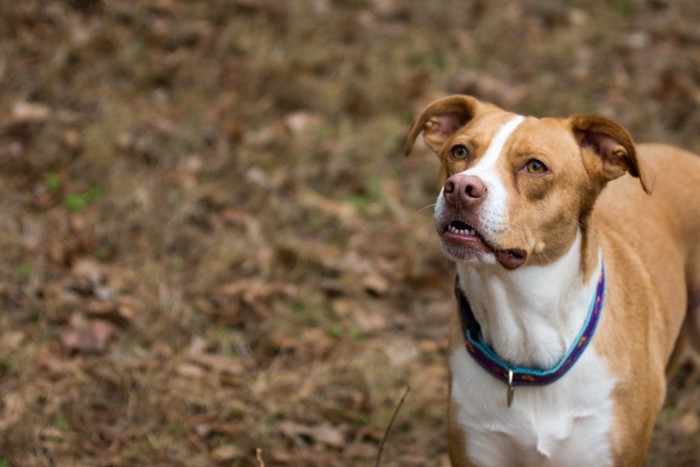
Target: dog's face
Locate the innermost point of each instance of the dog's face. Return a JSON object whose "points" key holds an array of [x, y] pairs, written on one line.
{"points": [[515, 189]]}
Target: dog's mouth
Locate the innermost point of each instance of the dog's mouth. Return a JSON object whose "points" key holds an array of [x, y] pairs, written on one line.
{"points": [[461, 240], [458, 227]]}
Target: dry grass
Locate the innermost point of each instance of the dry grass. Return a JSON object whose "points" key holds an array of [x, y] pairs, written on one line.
{"points": [[211, 242]]}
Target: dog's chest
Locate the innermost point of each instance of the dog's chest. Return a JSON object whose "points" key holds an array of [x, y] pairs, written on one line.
{"points": [[565, 423]]}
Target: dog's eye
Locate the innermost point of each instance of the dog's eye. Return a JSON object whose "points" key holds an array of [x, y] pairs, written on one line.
{"points": [[535, 167], [459, 152]]}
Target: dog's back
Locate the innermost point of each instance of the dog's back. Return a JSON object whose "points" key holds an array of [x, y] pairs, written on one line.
{"points": [[624, 212]]}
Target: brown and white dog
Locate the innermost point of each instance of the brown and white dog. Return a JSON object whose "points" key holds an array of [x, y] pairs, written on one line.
{"points": [[525, 214]]}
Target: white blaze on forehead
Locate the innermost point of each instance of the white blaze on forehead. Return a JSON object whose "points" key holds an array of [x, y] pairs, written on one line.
{"points": [[496, 147], [495, 208]]}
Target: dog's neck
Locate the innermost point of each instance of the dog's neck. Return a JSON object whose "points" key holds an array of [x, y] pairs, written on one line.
{"points": [[531, 316]]}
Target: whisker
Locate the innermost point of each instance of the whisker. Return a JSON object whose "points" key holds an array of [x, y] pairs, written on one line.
{"points": [[429, 206]]}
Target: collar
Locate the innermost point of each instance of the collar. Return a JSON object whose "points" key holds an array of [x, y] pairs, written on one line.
{"points": [[514, 375]]}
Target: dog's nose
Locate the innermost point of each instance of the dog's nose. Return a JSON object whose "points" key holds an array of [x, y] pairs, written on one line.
{"points": [[462, 189]]}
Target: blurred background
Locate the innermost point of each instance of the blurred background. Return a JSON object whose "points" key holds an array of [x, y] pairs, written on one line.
{"points": [[211, 243]]}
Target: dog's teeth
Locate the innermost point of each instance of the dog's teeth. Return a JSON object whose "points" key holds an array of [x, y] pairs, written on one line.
{"points": [[465, 231]]}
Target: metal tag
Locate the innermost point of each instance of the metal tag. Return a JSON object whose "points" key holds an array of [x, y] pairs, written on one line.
{"points": [[511, 389]]}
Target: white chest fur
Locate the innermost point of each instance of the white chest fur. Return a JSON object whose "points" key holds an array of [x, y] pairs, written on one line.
{"points": [[565, 423]]}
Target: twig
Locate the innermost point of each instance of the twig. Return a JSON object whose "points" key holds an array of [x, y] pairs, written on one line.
{"points": [[258, 457], [391, 423]]}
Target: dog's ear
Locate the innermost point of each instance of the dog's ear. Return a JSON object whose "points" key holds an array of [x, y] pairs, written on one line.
{"points": [[442, 119], [613, 149]]}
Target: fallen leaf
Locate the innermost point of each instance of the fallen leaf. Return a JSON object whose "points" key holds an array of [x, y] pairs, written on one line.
{"points": [[303, 122], [88, 269], [190, 371], [98, 308], [375, 283], [12, 340], [323, 434], [346, 213], [312, 341], [30, 112], [128, 307], [218, 363], [90, 337], [689, 423], [369, 316], [227, 452], [48, 358], [72, 140], [222, 364], [12, 410], [26, 117], [401, 352], [328, 435]]}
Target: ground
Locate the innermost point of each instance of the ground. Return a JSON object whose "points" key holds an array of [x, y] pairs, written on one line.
{"points": [[211, 245]]}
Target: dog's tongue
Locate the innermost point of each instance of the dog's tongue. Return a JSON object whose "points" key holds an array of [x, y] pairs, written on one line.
{"points": [[511, 259]]}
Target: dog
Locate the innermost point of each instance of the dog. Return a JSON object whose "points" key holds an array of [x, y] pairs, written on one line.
{"points": [[575, 298]]}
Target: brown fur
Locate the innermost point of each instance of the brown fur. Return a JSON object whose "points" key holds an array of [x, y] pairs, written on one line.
{"points": [[650, 242]]}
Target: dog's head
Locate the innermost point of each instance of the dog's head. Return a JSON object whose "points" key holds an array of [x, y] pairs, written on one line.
{"points": [[515, 189]]}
